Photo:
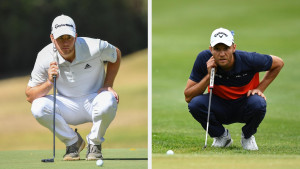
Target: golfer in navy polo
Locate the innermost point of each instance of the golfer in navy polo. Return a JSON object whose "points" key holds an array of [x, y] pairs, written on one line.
{"points": [[238, 93]]}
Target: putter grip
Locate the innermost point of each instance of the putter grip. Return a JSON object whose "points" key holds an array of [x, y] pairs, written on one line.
{"points": [[55, 59], [212, 78]]}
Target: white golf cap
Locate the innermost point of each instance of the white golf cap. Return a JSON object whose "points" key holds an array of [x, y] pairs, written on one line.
{"points": [[63, 25], [221, 35]]}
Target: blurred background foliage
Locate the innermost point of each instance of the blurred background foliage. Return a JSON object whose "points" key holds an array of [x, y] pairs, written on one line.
{"points": [[26, 26]]}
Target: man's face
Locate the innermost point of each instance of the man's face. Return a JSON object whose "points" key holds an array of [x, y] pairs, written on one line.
{"points": [[223, 55], [65, 44]]}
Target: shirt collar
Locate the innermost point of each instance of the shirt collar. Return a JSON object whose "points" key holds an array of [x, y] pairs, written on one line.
{"points": [[61, 60]]}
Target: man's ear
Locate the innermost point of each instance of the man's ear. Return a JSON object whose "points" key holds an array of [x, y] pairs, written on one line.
{"points": [[210, 48], [234, 47], [52, 38], [75, 37]]}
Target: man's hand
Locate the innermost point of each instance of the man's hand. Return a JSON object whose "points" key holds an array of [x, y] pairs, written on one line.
{"points": [[256, 91], [111, 90], [53, 70], [210, 64]]}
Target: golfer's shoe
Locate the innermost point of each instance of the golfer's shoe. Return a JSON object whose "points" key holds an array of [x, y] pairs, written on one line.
{"points": [[223, 141], [249, 143], [94, 152], [72, 151]]}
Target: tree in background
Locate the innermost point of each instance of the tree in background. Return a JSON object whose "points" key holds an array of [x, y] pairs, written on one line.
{"points": [[26, 26]]}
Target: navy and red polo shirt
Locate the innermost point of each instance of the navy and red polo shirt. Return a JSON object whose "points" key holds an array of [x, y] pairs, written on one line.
{"points": [[238, 81]]}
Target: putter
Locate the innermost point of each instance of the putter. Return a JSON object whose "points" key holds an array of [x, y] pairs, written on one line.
{"points": [[211, 86], [54, 103]]}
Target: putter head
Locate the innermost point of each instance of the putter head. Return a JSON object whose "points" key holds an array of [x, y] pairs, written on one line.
{"points": [[48, 160]]}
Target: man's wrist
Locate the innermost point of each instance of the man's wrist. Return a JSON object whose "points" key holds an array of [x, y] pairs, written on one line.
{"points": [[107, 86], [51, 83]]}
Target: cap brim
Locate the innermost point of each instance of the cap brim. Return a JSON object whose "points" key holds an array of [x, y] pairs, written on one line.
{"points": [[63, 32], [227, 43]]}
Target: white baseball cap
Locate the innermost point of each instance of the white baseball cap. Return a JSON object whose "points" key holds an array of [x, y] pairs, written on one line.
{"points": [[63, 25], [221, 35]]}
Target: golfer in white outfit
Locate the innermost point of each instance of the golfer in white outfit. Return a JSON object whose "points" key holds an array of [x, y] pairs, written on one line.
{"points": [[85, 92]]}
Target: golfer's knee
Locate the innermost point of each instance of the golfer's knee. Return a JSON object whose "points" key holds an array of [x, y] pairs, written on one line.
{"points": [[196, 106], [104, 103], [258, 104], [40, 107], [192, 107]]}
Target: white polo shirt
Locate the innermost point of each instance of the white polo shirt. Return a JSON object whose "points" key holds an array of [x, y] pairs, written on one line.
{"points": [[85, 75]]}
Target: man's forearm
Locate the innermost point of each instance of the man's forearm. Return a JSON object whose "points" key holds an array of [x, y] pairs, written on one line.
{"points": [[194, 89], [112, 71], [271, 74], [268, 78], [33, 93]]}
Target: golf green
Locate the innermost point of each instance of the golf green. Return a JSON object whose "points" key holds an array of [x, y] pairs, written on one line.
{"points": [[113, 158], [226, 161]]}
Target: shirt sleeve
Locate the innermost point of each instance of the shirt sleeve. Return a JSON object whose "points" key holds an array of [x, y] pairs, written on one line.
{"points": [[39, 74], [199, 70], [261, 62], [107, 52]]}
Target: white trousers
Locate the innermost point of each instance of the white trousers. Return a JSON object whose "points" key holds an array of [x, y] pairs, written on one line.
{"points": [[97, 108]]}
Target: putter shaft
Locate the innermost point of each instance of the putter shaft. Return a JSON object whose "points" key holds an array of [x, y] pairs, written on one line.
{"points": [[54, 103], [211, 86], [207, 124]]}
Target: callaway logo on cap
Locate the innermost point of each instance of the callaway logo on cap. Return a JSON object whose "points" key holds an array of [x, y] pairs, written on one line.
{"points": [[221, 35], [63, 25]]}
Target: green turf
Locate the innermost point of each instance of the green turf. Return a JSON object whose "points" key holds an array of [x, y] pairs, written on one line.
{"points": [[181, 29], [213, 161], [113, 158]]}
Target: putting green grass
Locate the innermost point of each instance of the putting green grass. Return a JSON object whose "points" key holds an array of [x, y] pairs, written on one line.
{"points": [[181, 29], [216, 161], [113, 158]]}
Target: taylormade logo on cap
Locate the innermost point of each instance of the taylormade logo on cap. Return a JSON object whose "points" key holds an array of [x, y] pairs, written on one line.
{"points": [[63, 25], [221, 35]]}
